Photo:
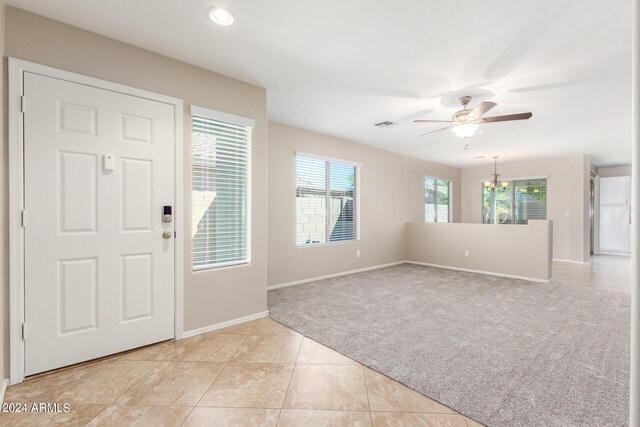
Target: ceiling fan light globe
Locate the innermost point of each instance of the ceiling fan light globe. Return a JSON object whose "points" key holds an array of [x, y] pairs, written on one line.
{"points": [[466, 130]]}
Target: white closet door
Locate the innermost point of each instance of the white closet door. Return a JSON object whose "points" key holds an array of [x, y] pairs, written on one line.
{"points": [[99, 274], [615, 227]]}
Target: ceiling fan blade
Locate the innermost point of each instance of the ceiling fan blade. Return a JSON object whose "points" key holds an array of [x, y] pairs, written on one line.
{"points": [[482, 108], [434, 131], [505, 118], [432, 121]]}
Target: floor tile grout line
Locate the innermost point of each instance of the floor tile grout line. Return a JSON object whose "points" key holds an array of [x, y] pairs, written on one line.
{"points": [[221, 370], [290, 378], [97, 415], [366, 387], [188, 415], [115, 358]]}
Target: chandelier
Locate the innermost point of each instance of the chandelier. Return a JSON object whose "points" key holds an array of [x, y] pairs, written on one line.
{"points": [[495, 182]]}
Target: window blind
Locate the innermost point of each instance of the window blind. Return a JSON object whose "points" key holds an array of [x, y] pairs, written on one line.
{"points": [[220, 191], [326, 200], [436, 200], [530, 201]]}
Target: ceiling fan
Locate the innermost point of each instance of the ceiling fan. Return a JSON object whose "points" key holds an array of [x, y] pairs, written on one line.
{"points": [[466, 122]]}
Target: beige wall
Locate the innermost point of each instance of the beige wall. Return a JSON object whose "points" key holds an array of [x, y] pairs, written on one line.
{"points": [[392, 193], [567, 199], [515, 250], [210, 296], [615, 171]]}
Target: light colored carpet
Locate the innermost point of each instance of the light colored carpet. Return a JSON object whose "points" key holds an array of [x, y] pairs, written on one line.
{"points": [[504, 352]]}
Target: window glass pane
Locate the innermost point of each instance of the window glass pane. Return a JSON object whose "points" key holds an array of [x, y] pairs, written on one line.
{"points": [[504, 211], [220, 154], [530, 200], [326, 201], [342, 209], [311, 196], [442, 200], [486, 205], [429, 200], [436, 200]]}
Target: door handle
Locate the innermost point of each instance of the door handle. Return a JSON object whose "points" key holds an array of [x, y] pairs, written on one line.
{"points": [[166, 234]]}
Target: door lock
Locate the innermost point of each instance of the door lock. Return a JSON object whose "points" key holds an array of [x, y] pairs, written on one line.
{"points": [[166, 214], [166, 234]]}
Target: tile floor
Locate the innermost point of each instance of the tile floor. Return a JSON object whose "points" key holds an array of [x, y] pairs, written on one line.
{"points": [[259, 373], [603, 271]]}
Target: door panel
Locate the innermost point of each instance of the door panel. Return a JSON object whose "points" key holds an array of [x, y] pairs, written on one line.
{"points": [[98, 274], [615, 227], [77, 192], [615, 235]]}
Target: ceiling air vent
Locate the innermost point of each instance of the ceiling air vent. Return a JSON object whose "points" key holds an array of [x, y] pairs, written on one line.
{"points": [[385, 124]]}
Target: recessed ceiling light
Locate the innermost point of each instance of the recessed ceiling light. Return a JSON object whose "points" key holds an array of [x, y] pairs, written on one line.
{"points": [[221, 16]]}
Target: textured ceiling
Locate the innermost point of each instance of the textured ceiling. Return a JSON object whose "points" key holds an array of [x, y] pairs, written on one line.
{"points": [[338, 67]]}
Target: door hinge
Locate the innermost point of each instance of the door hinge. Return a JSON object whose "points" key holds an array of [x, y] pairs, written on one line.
{"points": [[23, 219], [24, 331], [23, 104], [174, 234]]}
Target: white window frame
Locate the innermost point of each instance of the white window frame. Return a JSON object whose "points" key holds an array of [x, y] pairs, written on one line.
{"points": [[239, 121], [358, 167], [450, 210]]}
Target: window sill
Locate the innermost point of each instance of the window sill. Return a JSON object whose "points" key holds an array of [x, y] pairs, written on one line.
{"points": [[315, 245], [220, 266]]}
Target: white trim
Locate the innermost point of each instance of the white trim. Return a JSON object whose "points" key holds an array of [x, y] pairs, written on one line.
{"points": [[570, 261], [16, 235], [488, 273], [321, 244], [327, 158], [329, 276], [615, 253], [451, 181], [3, 389], [17, 68], [179, 220], [222, 117], [520, 178], [634, 376], [208, 267], [233, 322]]}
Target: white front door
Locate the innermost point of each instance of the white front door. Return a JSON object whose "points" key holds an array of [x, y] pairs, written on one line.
{"points": [[99, 274], [615, 215]]}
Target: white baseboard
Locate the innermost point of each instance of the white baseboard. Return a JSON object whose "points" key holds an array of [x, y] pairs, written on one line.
{"points": [[211, 328], [329, 276], [3, 389], [570, 261], [488, 273], [623, 254]]}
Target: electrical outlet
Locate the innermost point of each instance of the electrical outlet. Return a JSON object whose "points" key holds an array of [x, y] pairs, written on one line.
{"points": [[466, 252], [358, 253]]}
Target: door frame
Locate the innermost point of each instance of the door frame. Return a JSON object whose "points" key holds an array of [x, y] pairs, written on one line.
{"points": [[17, 68]]}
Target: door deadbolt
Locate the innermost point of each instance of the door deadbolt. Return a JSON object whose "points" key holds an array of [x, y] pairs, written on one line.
{"points": [[166, 214]]}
